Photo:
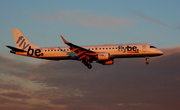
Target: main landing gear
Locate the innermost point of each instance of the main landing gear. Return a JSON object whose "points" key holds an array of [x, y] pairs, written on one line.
{"points": [[147, 62], [89, 66], [86, 63]]}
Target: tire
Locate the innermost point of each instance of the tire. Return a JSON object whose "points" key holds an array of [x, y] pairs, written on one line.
{"points": [[89, 66]]}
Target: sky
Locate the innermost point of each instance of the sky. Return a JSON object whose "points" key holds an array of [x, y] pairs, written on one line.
{"points": [[129, 84]]}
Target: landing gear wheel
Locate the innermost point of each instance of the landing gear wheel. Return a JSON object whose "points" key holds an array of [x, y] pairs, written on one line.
{"points": [[147, 61], [89, 66]]}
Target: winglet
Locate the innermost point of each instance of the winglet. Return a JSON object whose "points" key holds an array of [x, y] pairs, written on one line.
{"points": [[64, 40]]}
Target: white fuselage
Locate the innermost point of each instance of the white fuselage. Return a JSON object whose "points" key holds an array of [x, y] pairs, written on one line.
{"points": [[115, 51]]}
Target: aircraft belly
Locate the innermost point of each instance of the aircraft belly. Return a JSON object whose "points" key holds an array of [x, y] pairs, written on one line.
{"points": [[58, 56], [55, 58], [134, 55]]}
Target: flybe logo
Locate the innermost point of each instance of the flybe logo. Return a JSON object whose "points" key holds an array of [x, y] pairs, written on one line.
{"points": [[128, 49], [36, 52], [22, 43]]}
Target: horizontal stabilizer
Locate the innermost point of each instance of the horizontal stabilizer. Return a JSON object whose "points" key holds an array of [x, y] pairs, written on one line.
{"points": [[15, 49]]}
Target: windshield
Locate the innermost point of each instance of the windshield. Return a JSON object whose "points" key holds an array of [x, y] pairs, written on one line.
{"points": [[152, 46]]}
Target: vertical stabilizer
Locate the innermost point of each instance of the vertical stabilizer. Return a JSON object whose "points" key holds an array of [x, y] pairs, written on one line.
{"points": [[21, 41]]}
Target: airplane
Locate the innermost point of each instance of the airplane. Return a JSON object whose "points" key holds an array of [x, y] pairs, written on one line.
{"points": [[103, 54]]}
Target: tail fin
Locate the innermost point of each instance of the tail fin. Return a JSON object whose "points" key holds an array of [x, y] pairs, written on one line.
{"points": [[21, 41]]}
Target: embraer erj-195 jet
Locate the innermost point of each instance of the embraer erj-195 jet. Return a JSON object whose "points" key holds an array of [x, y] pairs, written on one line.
{"points": [[103, 54]]}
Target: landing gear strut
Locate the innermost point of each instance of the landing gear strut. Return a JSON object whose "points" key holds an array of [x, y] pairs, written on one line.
{"points": [[86, 63], [147, 62]]}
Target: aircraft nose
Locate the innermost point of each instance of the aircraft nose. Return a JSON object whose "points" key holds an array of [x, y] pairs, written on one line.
{"points": [[160, 52]]}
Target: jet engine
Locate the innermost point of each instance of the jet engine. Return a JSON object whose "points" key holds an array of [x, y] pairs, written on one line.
{"points": [[103, 56]]}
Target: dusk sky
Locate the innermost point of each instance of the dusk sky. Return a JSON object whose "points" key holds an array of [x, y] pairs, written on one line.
{"points": [[129, 84]]}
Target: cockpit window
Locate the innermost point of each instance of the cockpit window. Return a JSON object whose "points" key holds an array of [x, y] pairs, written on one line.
{"points": [[152, 46]]}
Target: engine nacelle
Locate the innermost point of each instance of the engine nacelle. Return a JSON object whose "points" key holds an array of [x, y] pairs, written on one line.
{"points": [[103, 56]]}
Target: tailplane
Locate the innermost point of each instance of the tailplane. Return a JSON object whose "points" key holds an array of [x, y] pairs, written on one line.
{"points": [[21, 41]]}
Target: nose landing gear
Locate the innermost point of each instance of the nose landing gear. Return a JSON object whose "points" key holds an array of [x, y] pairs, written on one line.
{"points": [[147, 62]]}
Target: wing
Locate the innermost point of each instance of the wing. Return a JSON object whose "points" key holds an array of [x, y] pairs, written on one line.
{"points": [[83, 53]]}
